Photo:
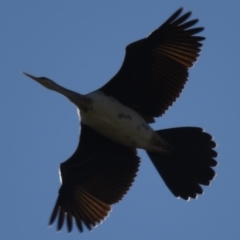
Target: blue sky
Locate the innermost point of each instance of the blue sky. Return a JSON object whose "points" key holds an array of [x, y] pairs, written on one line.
{"points": [[80, 45]]}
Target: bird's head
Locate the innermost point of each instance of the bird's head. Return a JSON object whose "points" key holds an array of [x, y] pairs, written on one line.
{"points": [[79, 100], [46, 82]]}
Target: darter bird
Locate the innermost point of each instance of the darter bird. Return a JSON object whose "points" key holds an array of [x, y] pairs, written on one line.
{"points": [[115, 122]]}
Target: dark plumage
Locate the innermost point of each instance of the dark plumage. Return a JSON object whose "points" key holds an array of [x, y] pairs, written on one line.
{"points": [[98, 175], [189, 163], [155, 68], [115, 122]]}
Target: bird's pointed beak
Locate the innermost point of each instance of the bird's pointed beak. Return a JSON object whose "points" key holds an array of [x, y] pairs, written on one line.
{"points": [[31, 76], [40, 80]]}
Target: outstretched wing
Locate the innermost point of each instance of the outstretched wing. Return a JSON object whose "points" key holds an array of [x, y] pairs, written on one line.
{"points": [[99, 174], [155, 68]]}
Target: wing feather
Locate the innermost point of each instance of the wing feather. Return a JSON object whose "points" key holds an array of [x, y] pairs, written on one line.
{"points": [[155, 68], [99, 174]]}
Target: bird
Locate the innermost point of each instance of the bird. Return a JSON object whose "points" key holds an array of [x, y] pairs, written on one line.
{"points": [[115, 121]]}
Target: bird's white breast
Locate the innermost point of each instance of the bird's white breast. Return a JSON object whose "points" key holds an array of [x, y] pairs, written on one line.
{"points": [[112, 119]]}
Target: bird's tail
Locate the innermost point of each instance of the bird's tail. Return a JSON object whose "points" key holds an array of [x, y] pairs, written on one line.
{"points": [[189, 162]]}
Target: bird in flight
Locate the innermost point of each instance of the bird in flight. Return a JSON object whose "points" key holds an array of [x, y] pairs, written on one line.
{"points": [[115, 120]]}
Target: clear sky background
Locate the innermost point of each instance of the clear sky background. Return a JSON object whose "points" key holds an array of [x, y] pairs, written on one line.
{"points": [[80, 45]]}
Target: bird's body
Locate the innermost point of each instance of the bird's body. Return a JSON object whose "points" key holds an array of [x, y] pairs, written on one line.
{"points": [[110, 118], [115, 122]]}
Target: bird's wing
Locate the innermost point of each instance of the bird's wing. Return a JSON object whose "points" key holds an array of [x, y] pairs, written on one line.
{"points": [[99, 174], [155, 68]]}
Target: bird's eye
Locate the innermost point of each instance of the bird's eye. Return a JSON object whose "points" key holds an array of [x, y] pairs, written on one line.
{"points": [[45, 81]]}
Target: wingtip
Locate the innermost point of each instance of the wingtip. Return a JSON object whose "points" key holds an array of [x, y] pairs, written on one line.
{"points": [[180, 10]]}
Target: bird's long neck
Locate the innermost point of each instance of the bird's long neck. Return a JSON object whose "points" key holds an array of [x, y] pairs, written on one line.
{"points": [[81, 101]]}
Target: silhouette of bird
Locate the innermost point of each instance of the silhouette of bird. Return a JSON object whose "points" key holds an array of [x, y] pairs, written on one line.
{"points": [[115, 122]]}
